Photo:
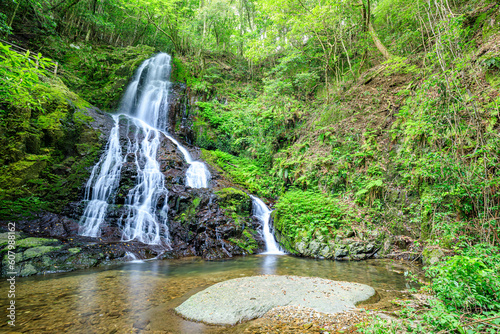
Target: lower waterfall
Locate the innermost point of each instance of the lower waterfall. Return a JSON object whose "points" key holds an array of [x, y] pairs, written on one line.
{"points": [[262, 212]]}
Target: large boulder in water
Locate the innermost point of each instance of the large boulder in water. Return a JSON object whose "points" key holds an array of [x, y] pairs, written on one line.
{"points": [[247, 298]]}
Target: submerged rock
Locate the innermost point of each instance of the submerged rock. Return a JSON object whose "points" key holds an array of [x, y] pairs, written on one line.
{"points": [[242, 299]]}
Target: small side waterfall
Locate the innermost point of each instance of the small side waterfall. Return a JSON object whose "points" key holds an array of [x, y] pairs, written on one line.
{"points": [[145, 105], [197, 175], [132, 258], [261, 211]]}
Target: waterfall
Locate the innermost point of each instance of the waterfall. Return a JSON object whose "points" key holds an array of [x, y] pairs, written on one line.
{"points": [[197, 175], [132, 258], [145, 107], [262, 212], [103, 181], [143, 221]]}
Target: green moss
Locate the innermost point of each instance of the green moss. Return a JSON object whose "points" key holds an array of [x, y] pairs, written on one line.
{"points": [[307, 214], [33, 144], [484, 20], [35, 242], [432, 255], [189, 214], [58, 97], [235, 201], [81, 118], [20, 172], [28, 270], [19, 257], [47, 261], [21, 207], [493, 78], [211, 159], [74, 250], [4, 238], [99, 74], [243, 171], [247, 241], [39, 251], [179, 71]]}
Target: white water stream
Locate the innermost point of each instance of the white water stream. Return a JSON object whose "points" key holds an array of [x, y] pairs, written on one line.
{"points": [[262, 212], [145, 105]]}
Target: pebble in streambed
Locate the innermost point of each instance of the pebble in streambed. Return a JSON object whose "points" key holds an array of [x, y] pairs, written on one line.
{"points": [[242, 299]]}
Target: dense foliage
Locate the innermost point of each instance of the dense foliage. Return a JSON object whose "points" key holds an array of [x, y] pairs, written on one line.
{"points": [[306, 212], [373, 115]]}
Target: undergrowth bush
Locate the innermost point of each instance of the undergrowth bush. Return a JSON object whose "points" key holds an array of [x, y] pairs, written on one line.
{"points": [[244, 171], [301, 213], [465, 297], [469, 281]]}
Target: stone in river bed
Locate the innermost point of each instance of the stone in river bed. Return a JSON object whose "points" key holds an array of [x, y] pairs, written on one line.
{"points": [[246, 298]]}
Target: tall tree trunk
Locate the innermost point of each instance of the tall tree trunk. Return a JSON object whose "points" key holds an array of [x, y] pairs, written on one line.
{"points": [[12, 18], [380, 46], [369, 27]]}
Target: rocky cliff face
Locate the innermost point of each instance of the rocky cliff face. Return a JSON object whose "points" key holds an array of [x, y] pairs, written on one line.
{"points": [[212, 223]]}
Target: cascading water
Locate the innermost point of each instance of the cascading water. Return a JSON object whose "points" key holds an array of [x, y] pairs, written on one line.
{"points": [[102, 183], [142, 221], [262, 212], [197, 175], [145, 106]]}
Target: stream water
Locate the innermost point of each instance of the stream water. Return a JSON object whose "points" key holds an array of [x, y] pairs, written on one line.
{"points": [[135, 296]]}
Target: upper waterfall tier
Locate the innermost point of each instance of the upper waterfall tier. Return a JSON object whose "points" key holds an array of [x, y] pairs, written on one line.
{"points": [[146, 97]]}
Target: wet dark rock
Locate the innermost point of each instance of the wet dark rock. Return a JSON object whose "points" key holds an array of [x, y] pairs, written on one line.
{"points": [[50, 225], [202, 225], [180, 118], [342, 248]]}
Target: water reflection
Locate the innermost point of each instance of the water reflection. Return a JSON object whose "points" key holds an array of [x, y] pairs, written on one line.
{"points": [[140, 297], [269, 264]]}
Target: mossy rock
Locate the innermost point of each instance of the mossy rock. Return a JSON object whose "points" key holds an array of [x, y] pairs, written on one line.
{"points": [[235, 200], [189, 213], [29, 270], [247, 241], [18, 258], [39, 251], [283, 240], [4, 237], [35, 242], [74, 250], [100, 74], [210, 159], [432, 255], [18, 173], [33, 147]]}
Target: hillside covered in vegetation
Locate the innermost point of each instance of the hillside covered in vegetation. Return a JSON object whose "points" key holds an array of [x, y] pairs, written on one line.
{"points": [[371, 126]]}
